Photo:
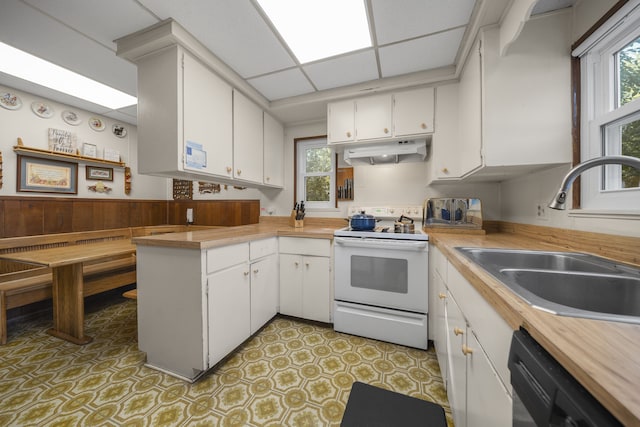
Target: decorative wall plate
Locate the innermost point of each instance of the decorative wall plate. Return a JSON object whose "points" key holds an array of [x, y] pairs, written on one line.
{"points": [[42, 110], [119, 130], [96, 124], [10, 101], [71, 117]]}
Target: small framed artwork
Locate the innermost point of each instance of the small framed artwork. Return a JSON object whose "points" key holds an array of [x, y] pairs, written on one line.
{"points": [[89, 150], [99, 174], [47, 176]]}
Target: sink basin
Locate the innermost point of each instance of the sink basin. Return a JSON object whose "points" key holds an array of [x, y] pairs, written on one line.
{"points": [[566, 283]]}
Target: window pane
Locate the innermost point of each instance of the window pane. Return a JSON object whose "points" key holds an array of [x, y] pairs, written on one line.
{"points": [[629, 72], [318, 188], [319, 159], [622, 137]]}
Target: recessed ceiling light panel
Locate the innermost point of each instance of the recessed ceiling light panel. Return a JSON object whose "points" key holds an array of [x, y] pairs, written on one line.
{"points": [[317, 29], [36, 70]]}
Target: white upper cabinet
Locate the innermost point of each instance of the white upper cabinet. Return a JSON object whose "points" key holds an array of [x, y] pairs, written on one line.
{"points": [[247, 139], [204, 97], [413, 112], [373, 117], [273, 152], [514, 109], [178, 97], [341, 122], [391, 116]]}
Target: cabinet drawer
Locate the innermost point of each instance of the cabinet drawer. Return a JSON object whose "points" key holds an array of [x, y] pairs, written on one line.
{"points": [[227, 256], [261, 248], [305, 246]]}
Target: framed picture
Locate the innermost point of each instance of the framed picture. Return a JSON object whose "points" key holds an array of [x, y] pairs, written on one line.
{"points": [[101, 174], [89, 150], [47, 176]]}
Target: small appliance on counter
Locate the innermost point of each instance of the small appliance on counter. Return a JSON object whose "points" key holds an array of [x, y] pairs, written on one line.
{"points": [[451, 212]]}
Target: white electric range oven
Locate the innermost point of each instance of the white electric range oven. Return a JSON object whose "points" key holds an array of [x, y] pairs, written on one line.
{"points": [[381, 279]]}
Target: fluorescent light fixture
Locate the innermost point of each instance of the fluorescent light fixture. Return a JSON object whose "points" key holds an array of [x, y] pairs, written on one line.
{"points": [[36, 70], [316, 29]]}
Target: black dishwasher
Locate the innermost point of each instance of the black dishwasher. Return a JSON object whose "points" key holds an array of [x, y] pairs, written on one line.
{"points": [[545, 394]]}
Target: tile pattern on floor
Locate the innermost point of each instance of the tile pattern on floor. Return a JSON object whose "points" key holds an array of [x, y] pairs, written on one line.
{"points": [[292, 373]]}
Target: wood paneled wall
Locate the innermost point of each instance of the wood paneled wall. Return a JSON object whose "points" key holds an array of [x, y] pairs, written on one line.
{"points": [[26, 216], [216, 212]]}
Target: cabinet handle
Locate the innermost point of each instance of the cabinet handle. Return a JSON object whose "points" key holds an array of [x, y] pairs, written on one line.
{"points": [[445, 170], [239, 171], [466, 350], [386, 130], [423, 125], [268, 179], [229, 169], [255, 271], [442, 296], [458, 331], [246, 273], [306, 264], [296, 263], [348, 134]]}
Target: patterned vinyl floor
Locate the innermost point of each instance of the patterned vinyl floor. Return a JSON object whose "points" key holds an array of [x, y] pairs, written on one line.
{"points": [[291, 373]]}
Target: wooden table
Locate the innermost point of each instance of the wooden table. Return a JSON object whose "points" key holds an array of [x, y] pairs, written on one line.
{"points": [[68, 293]]}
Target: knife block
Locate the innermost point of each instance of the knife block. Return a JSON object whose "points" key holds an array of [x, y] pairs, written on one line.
{"points": [[293, 222]]}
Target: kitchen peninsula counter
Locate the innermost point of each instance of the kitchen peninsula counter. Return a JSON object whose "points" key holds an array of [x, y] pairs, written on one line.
{"points": [[223, 236], [601, 355]]}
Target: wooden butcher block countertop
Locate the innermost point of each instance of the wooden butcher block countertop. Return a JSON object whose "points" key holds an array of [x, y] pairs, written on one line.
{"points": [[603, 356], [223, 236]]}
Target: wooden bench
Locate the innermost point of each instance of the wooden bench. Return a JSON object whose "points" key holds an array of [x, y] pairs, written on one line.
{"points": [[22, 284]]}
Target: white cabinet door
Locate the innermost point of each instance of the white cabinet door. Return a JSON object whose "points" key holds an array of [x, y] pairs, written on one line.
{"points": [[207, 141], [273, 152], [229, 310], [470, 114], [438, 324], [373, 117], [341, 121], [413, 112], [316, 298], [264, 291], [248, 146], [489, 403], [457, 364], [291, 285]]}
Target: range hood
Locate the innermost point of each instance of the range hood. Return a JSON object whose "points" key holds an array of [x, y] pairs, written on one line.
{"points": [[387, 152]]}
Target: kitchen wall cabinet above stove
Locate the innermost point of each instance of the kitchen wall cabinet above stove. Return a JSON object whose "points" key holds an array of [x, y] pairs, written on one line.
{"points": [[381, 117], [514, 111]]}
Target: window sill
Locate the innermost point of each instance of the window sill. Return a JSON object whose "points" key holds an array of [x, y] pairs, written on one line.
{"points": [[606, 214]]}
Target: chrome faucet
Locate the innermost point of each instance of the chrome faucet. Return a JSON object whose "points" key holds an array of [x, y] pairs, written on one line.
{"points": [[560, 198]]}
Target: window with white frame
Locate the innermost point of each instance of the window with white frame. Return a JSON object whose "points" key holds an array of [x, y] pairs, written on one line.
{"points": [[315, 180], [610, 110]]}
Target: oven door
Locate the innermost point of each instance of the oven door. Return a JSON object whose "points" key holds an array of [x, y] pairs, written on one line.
{"points": [[382, 273]]}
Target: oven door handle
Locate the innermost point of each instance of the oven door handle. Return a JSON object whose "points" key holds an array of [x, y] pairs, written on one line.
{"points": [[380, 243]]}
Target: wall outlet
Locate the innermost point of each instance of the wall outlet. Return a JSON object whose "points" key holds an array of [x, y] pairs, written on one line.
{"points": [[542, 211], [189, 216]]}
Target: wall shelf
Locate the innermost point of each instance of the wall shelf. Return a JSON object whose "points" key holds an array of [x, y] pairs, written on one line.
{"points": [[48, 154]]}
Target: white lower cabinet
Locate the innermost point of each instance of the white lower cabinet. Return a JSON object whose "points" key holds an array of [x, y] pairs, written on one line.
{"points": [[305, 278], [472, 344], [264, 291], [229, 310]]}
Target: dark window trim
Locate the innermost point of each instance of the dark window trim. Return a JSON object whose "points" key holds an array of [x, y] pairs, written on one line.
{"points": [[576, 96]]}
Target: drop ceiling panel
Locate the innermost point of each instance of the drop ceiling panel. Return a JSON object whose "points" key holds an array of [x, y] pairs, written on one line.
{"points": [[417, 17], [343, 70], [425, 53], [104, 21], [232, 30], [27, 29], [282, 85]]}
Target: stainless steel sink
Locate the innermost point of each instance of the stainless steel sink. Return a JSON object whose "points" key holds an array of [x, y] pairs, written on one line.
{"points": [[566, 283]]}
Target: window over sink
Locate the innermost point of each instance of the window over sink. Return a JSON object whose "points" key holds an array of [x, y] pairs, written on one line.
{"points": [[610, 110]]}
